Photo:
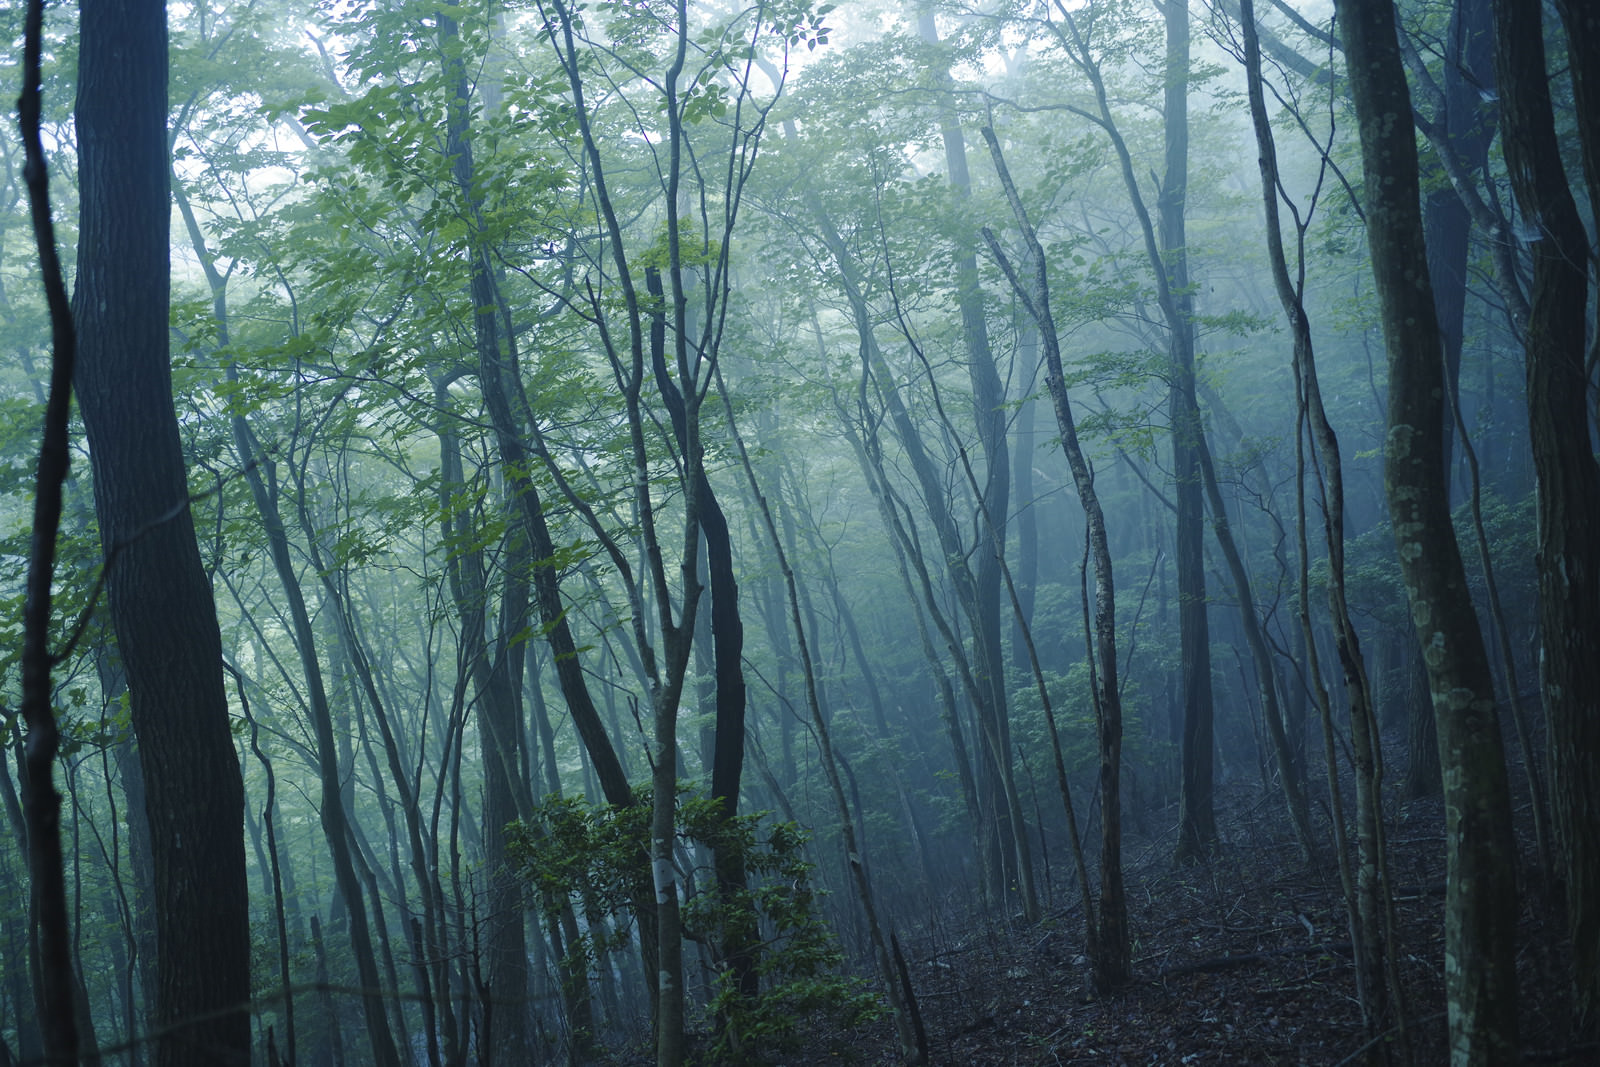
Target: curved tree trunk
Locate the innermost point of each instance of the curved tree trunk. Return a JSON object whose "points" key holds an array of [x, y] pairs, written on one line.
{"points": [[1481, 901], [1367, 893], [1110, 951], [161, 602], [741, 938]]}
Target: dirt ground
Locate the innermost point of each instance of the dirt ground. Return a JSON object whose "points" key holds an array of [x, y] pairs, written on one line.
{"points": [[1242, 960]]}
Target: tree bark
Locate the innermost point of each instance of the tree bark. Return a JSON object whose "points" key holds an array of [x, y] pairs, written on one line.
{"points": [[1568, 479], [160, 600], [1197, 821], [1110, 948], [1366, 893], [1481, 900]]}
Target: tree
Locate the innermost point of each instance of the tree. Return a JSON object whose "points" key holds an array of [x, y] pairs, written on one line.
{"points": [[981, 585], [1166, 251], [1197, 821], [39, 832], [1558, 380], [1459, 132], [1366, 892], [161, 602], [1110, 944], [1481, 898]]}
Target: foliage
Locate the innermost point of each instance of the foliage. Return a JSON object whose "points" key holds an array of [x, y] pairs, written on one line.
{"points": [[310, 143], [1373, 576], [596, 857]]}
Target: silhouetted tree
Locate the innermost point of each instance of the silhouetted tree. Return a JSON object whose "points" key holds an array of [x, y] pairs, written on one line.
{"points": [[160, 599]]}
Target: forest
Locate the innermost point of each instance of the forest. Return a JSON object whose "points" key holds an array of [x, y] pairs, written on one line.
{"points": [[778, 532]]}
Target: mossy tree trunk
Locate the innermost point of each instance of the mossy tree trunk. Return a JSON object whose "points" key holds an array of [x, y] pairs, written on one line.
{"points": [[1481, 898]]}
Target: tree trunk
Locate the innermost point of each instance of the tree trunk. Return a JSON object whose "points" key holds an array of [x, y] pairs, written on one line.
{"points": [[1197, 821], [740, 936], [1481, 901], [1568, 479], [1367, 892], [1447, 223], [160, 600], [1110, 948]]}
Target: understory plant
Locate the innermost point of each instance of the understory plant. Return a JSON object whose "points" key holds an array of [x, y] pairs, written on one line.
{"points": [[590, 855]]}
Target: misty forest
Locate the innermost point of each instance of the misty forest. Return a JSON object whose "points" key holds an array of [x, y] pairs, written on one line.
{"points": [[889, 532]]}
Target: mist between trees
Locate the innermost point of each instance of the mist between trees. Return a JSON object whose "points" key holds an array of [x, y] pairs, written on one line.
{"points": [[607, 532]]}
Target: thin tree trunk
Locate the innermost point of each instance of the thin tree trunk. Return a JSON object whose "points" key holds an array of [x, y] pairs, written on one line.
{"points": [[1111, 954], [1166, 254], [1370, 906], [261, 474]]}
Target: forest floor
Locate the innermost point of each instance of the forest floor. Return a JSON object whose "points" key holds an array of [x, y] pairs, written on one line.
{"points": [[1238, 961]]}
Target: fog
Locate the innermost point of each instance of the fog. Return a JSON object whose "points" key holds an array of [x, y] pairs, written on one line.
{"points": [[759, 535]]}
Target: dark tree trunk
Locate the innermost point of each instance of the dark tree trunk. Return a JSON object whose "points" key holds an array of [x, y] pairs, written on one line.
{"points": [[1568, 479], [1468, 72], [161, 602], [1581, 19], [740, 935], [1481, 900]]}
